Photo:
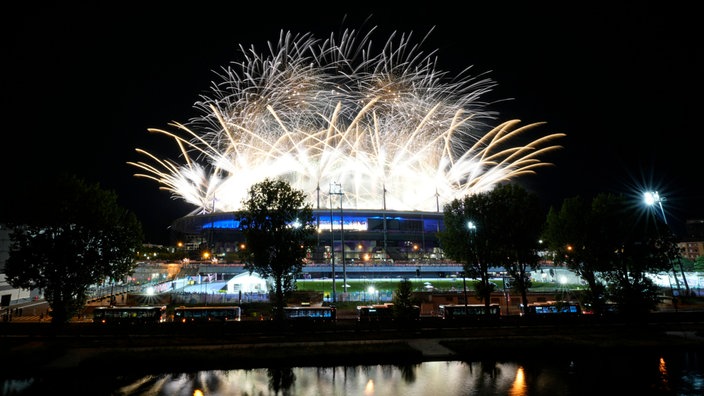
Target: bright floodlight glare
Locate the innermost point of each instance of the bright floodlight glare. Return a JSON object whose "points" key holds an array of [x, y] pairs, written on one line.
{"points": [[393, 130], [651, 198], [471, 226], [150, 291]]}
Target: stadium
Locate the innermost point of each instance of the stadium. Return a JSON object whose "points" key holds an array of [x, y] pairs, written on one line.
{"points": [[350, 236], [394, 138]]}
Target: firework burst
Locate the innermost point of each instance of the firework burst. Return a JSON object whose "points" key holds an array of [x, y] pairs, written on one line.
{"points": [[387, 126]]}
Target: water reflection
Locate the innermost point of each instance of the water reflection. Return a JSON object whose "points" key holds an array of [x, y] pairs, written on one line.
{"points": [[519, 383], [281, 379], [679, 374]]}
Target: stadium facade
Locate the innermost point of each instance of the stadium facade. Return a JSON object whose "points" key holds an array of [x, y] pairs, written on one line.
{"points": [[350, 235]]}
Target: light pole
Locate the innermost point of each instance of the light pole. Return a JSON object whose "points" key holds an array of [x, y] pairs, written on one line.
{"points": [[113, 300], [336, 189], [332, 242], [385, 230], [342, 245], [472, 228], [653, 198]]}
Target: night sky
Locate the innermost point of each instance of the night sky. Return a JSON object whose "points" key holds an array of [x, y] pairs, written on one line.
{"points": [[82, 84]]}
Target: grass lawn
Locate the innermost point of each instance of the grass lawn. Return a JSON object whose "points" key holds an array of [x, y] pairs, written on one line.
{"points": [[445, 284]]}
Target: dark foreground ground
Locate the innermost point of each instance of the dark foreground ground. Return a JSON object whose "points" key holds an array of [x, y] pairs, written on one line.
{"points": [[36, 348]]}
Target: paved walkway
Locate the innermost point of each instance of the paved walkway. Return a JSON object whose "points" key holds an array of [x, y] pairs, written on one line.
{"points": [[431, 349], [31, 311], [689, 335]]}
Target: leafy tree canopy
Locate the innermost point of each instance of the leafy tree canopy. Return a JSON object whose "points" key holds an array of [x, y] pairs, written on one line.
{"points": [[498, 228], [614, 247], [76, 237], [405, 307], [279, 232]]}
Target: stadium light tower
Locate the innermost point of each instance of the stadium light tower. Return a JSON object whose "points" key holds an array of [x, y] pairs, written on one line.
{"points": [[336, 189], [653, 198]]}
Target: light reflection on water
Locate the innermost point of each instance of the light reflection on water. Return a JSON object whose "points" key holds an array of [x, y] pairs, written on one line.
{"points": [[677, 374]]}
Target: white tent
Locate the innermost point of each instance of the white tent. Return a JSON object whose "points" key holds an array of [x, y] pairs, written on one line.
{"points": [[247, 283]]}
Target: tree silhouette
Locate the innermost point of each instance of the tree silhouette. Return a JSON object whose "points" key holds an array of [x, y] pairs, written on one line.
{"points": [[78, 236], [498, 228], [279, 232], [613, 248]]}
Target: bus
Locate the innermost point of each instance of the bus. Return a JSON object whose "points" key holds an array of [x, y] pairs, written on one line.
{"points": [[375, 313], [207, 314], [129, 315], [469, 311], [308, 313], [550, 308]]}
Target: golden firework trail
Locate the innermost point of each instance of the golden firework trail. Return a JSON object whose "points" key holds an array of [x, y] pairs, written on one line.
{"points": [[390, 129]]}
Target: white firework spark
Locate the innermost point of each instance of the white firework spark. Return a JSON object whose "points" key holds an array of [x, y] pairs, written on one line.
{"points": [[388, 127]]}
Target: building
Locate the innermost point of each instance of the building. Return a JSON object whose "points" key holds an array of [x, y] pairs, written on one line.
{"points": [[692, 245], [349, 236]]}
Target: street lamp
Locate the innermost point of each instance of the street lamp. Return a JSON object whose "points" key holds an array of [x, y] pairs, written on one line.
{"points": [[472, 228], [342, 245], [653, 198]]}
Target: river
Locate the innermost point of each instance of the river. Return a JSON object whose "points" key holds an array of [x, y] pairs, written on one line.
{"points": [[647, 373]]}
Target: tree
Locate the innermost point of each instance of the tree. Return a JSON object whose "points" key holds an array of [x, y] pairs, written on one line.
{"points": [[279, 232], [405, 308], [459, 241], [644, 248], [519, 220], [575, 235], [75, 237], [614, 248], [698, 265], [499, 228]]}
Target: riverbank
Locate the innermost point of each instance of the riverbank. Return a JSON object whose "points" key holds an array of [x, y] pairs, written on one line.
{"points": [[286, 347]]}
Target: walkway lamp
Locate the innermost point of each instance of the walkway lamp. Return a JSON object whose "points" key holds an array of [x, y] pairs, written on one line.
{"points": [[472, 229], [652, 198]]}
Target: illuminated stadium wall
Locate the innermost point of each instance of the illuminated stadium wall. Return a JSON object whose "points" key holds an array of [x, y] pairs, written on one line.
{"points": [[367, 236]]}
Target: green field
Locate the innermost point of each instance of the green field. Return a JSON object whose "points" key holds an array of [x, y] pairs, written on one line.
{"points": [[437, 285]]}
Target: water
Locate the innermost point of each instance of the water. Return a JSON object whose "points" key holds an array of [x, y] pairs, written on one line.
{"points": [[647, 373]]}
